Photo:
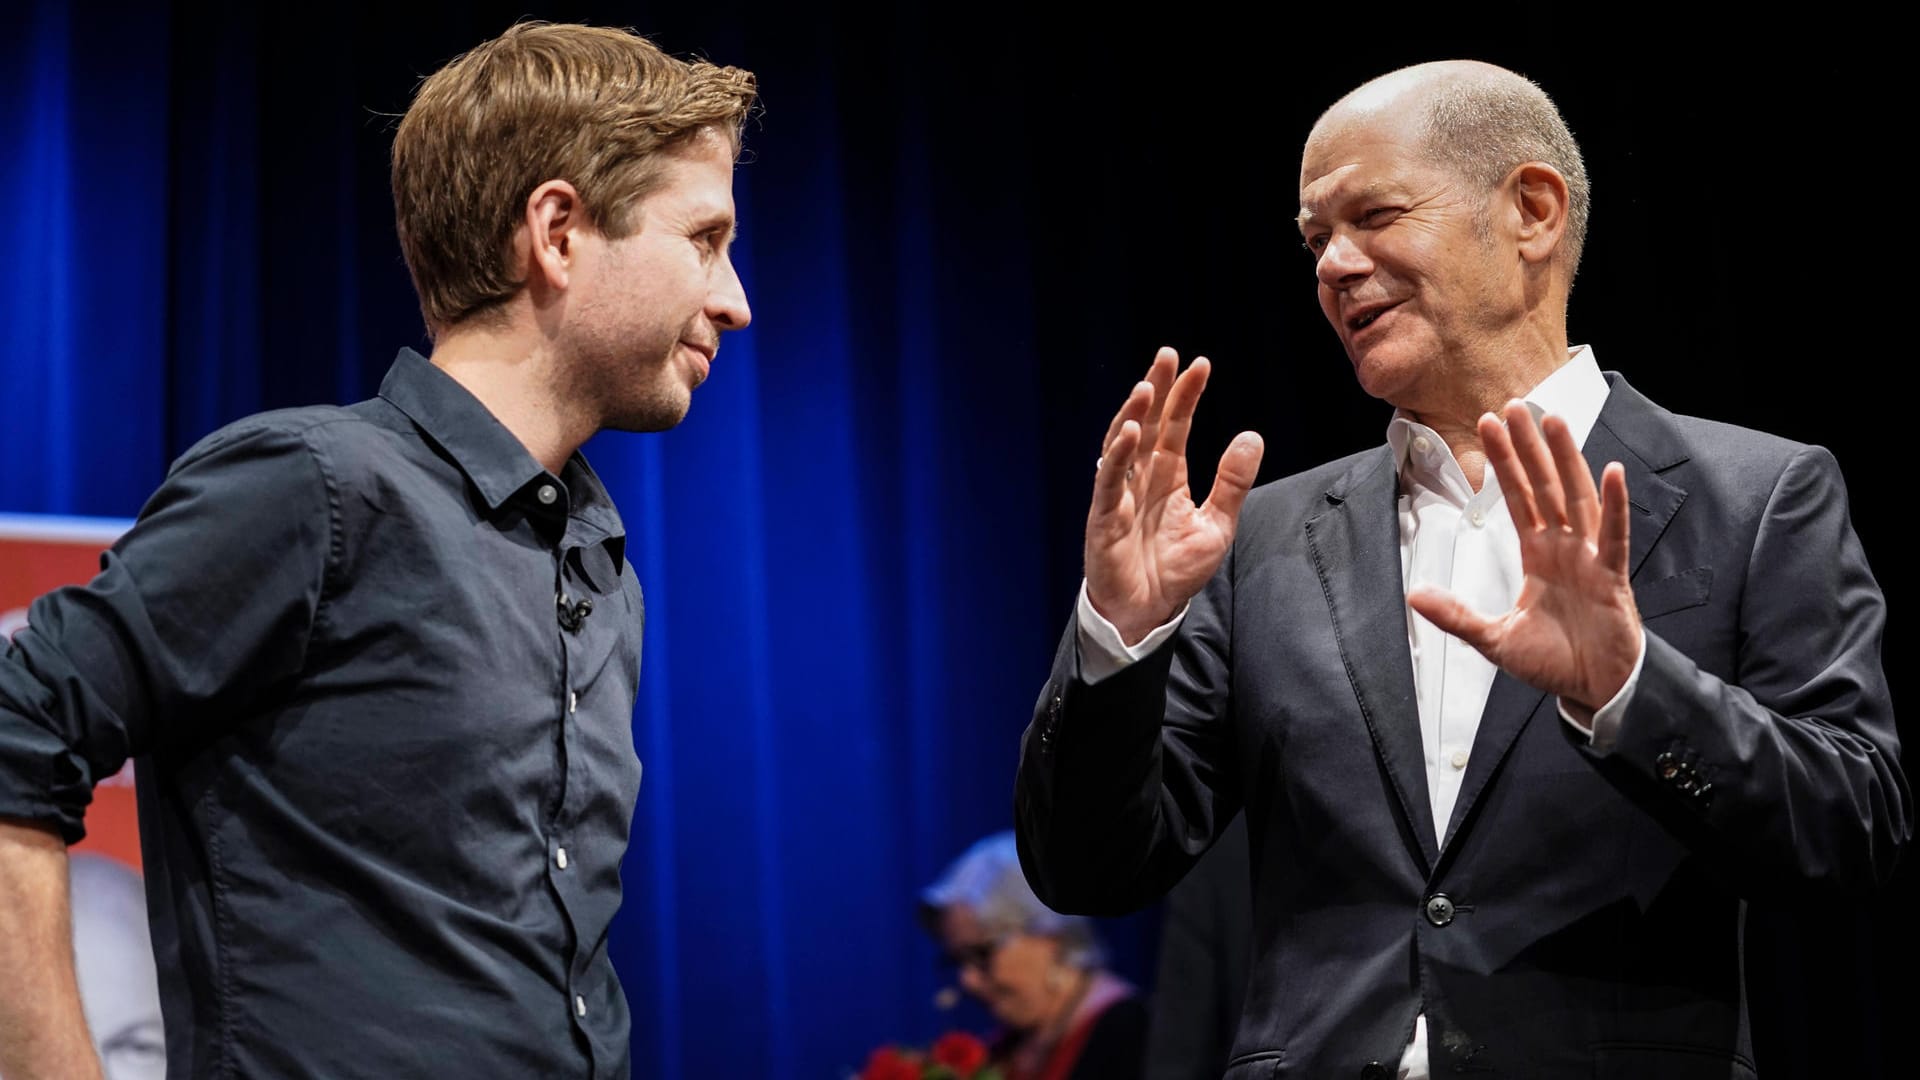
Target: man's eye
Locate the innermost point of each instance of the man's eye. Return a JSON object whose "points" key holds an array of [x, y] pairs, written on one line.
{"points": [[1379, 215], [1315, 244]]}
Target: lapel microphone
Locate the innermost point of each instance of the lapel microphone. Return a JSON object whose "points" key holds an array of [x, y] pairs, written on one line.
{"points": [[572, 615]]}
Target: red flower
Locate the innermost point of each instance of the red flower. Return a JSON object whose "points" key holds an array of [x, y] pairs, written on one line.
{"points": [[888, 1063], [960, 1052]]}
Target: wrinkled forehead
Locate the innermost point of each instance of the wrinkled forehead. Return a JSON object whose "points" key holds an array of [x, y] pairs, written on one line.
{"points": [[1367, 155]]}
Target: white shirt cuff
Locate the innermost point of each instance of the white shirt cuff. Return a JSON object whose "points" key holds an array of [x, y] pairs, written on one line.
{"points": [[1606, 719], [1103, 654]]}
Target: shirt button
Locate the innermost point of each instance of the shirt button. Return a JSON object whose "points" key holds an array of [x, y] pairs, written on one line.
{"points": [[1478, 519], [579, 1005], [1459, 759], [560, 858], [1422, 444], [546, 494]]}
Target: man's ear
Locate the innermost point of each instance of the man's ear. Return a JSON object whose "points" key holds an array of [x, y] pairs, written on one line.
{"points": [[553, 216], [1540, 198]]}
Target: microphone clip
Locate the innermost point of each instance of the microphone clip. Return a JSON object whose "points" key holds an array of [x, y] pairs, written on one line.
{"points": [[571, 613]]}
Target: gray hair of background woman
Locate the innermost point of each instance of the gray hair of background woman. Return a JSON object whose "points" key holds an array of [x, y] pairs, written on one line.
{"points": [[987, 880]]}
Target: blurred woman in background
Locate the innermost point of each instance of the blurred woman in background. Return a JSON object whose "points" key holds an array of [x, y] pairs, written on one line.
{"points": [[1041, 974]]}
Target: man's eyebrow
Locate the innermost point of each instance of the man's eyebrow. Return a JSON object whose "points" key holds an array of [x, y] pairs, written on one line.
{"points": [[1311, 213], [717, 219]]}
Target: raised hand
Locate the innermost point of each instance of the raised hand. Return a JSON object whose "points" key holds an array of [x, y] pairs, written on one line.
{"points": [[1574, 631], [1149, 548]]}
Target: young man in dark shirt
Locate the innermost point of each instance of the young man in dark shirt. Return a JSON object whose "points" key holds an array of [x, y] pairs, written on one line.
{"points": [[377, 664]]}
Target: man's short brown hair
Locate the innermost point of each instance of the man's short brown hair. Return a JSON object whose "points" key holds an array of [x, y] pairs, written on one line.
{"points": [[589, 105]]}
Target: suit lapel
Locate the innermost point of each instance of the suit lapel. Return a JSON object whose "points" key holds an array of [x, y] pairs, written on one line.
{"points": [[1632, 431], [1356, 552]]}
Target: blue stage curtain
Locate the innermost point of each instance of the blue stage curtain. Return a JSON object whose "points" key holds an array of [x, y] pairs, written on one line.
{"points": [[841, 548]]}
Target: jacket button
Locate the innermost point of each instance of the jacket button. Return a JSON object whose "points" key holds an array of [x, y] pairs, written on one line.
{"points": [[1373, 1070], [1439, 909]]}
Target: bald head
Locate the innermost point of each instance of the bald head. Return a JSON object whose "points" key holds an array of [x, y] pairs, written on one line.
{"points": [[1476, 120]]}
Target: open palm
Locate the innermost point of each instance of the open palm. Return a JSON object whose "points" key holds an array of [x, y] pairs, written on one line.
{"points": [[1149, 547], [1574, 630]]}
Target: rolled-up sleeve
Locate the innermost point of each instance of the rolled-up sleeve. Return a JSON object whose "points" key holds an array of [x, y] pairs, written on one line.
{"points": [[208, 600]]}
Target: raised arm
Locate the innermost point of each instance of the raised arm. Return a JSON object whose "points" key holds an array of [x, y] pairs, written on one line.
{"points": [[1780, 759], [1092, 821]]}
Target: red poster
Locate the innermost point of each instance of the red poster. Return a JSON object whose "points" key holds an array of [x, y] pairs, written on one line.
{"points": [[38, 555], [113, 954]]}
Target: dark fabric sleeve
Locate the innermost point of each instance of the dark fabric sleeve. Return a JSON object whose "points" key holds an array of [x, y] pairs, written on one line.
{"points": [[1122, 783], [1117, 1045], [1200, 977], [208, 599], [1788, 773]]}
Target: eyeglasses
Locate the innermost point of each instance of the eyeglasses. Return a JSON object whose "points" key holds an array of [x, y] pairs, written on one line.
{"points": [[977, 956]]}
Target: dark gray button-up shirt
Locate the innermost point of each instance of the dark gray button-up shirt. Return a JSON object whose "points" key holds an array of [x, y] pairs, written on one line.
{"points": [[376, 667]]}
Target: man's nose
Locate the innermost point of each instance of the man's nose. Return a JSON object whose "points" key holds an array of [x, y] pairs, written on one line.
{"points": [[727, 301], [1342, 261]]}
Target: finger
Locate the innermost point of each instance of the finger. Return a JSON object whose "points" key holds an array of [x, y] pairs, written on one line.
{"points": [[1549, 503], [1176, 423], [1615, 515], [1169, 466], [1160, 375], [1139, 399], [1239, 468], [1444, 610], [1576, 480], [1110, 482], [1513, 478]]}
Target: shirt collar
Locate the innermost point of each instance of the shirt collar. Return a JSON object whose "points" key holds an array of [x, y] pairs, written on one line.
{"points": [[492, 458], [1575, 392]]}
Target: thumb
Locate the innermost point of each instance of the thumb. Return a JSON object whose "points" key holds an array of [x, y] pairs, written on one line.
{"points": [[1239, 468], [1443, 610]]}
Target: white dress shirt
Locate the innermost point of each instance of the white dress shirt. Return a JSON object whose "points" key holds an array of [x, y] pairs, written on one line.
{"points": [[1459, 540]]}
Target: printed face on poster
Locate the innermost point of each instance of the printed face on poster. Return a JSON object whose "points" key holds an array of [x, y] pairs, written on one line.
{"points": [[112, 947]]}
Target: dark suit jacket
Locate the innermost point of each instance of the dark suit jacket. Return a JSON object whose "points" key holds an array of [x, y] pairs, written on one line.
{"points": [[1583, 916], [1200, 974]]}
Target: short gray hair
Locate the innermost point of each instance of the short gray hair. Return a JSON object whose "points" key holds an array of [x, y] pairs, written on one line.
{"points": [[1481, 128], [987, 881]]}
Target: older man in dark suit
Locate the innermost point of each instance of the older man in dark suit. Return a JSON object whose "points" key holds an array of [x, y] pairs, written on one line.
{"points": [[1522, 706]]}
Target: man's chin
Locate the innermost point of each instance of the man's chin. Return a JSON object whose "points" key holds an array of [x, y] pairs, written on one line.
{"points": [[1379, 374], [652, 415]]}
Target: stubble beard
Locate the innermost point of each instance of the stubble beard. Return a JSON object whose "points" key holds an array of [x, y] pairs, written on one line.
{"points": [[655, 401], [625, 393]]}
